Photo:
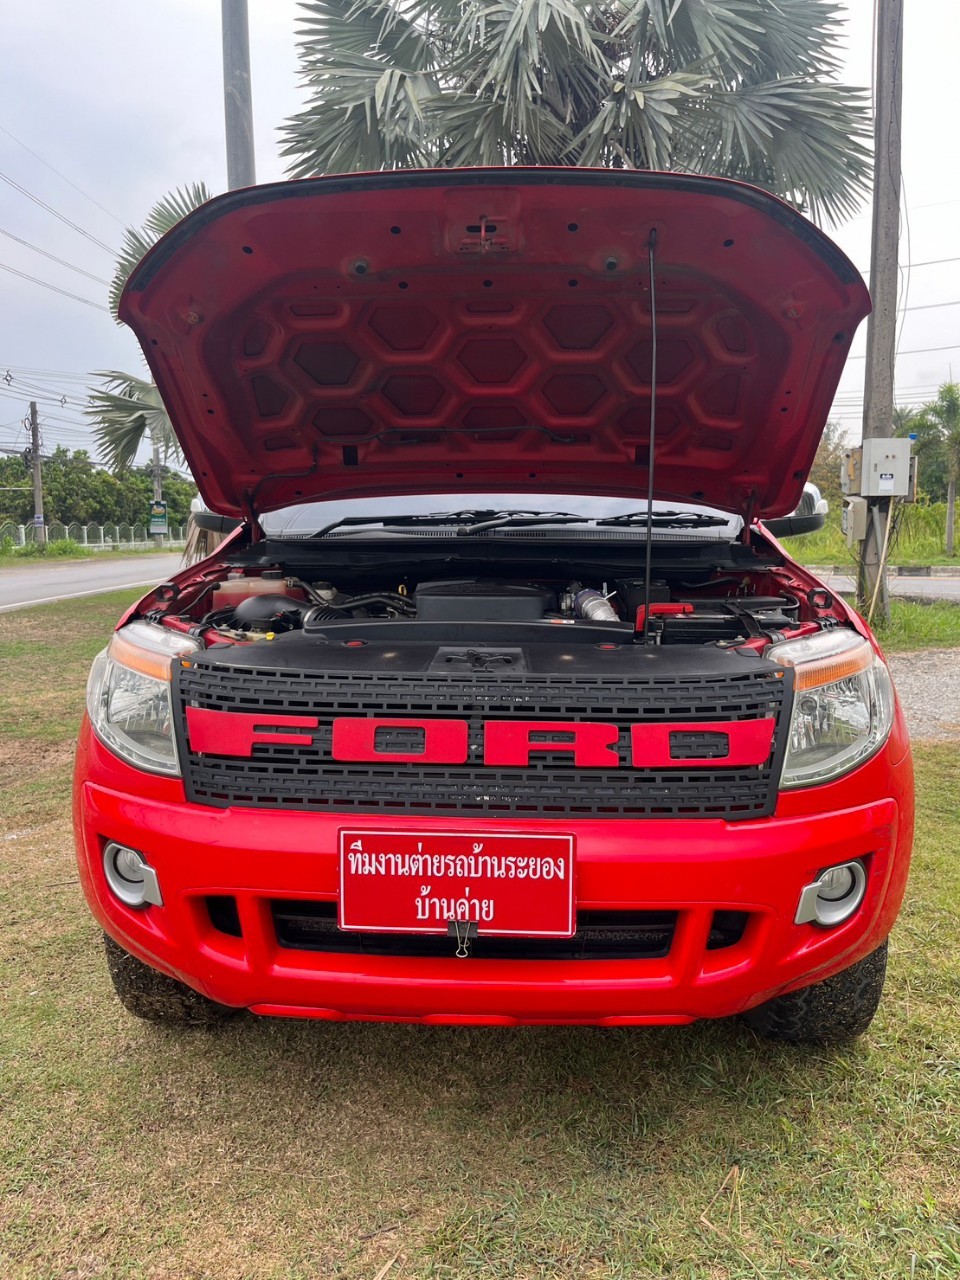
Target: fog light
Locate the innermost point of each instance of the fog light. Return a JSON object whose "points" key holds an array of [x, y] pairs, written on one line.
{"points": [[834, 896], [130, 876], [835, 883]]}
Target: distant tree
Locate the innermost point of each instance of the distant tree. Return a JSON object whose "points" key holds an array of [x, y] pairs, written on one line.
{"points": [[825, 472], [932, 467], [76, 490], [742, 88], [941, 417], [126, 410]]}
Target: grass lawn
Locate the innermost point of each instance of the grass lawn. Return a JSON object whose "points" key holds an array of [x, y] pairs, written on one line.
{"points": [[920, 624], [64, 552], [299, 1151], [918, 539]]}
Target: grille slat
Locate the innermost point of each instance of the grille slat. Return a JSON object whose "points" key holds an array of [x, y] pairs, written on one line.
{"points": [[284, 776], [620, 935]]}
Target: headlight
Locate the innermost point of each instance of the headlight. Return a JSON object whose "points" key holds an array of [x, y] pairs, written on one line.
{"points": [[128, 696], [842, 706]]}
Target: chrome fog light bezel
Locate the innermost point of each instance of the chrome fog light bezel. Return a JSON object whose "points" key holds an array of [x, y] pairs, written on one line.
{"points": [[140, 887], [818, 901]]}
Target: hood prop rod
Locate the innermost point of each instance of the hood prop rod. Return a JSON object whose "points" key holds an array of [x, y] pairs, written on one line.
{"points": [[648, 570]]}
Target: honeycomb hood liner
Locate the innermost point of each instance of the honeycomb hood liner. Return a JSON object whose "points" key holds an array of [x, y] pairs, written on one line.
{"points": [[490, 330]]}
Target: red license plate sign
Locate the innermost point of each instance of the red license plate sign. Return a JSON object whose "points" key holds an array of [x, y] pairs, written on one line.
{"points": [[419, 882]]}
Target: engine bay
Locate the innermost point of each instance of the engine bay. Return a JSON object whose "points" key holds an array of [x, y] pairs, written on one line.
{"points": [[284, 602]]}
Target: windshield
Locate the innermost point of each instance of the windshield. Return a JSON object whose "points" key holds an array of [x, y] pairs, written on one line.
{"points": [[307, 519]]}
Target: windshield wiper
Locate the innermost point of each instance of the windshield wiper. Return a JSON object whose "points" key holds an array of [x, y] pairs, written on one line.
{"points": [[667, 519], [467, 522], [520, 519], [473, 521], [403, 521]]}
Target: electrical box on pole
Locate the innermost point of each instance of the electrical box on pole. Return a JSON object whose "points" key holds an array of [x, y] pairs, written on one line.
{"points": [[851, 469], [853, 520], [885, 471]]}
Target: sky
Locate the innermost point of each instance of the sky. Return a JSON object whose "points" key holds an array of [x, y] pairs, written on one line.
{"points": [[105, 107]]}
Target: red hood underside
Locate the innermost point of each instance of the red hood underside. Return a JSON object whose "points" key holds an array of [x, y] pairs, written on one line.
{"points": [[490, 329]]}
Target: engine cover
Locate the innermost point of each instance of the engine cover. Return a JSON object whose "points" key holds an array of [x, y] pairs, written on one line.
{"points": [[468, 600]]}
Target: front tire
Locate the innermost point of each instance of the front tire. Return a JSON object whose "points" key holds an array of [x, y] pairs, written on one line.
{"points": [[149, 994], [834, 1011]]}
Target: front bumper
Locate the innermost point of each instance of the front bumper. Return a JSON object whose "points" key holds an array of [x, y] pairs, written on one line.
{"points": [[693, 867]]}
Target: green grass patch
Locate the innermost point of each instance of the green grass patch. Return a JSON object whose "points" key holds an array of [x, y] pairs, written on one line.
{"points": [[57, 549], [68, 549], [920, 624], [918, 541], [46, 653]]}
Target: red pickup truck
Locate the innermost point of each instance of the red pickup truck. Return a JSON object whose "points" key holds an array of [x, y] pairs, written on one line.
{"points": [[501, 704]]}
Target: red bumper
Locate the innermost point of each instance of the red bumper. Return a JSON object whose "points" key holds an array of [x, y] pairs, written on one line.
{"points": [[693, 867]]}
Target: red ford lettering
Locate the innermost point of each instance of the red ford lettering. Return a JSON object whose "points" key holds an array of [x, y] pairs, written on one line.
{"points": [[748, 742], [234, 733], [509, 742], [506, 743], [444, 741]]}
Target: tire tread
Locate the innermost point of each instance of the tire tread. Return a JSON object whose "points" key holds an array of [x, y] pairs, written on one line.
{"points": [[155, 997], [834, 1011]]}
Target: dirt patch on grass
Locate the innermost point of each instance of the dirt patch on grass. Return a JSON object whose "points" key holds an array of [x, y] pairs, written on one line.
{"points": [[35, 782], [19, 758]]}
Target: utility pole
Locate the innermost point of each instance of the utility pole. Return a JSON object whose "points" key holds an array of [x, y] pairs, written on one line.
{"points": [[157, 482], [41, 528], [157, 475], [882, 325], [237, 96]]}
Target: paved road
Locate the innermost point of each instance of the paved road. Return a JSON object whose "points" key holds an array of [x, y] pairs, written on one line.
{"points": [[923, 588], [46, 582]]}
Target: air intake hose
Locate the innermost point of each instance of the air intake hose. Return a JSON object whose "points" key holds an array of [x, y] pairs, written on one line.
{"points": [[589, 603]]}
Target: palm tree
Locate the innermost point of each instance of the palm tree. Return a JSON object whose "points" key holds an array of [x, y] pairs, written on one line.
{"points": [[928, 449], [125, 409], [941, 417], [736, 87]]}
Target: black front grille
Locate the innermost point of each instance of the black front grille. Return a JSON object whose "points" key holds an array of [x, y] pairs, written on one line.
{"points": [[600, 935], [305, 776]]}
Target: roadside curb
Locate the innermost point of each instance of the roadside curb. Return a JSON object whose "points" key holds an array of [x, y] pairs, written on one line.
{"points": [[895, 571]]}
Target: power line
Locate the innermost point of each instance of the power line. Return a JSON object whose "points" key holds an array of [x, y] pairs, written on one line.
{"points": [[43, 283], [916, 351], [932, 306], [42, 389], [936, 204], [20, 394], [29, 368], [931, 262], [53, 257], [62, 176], [50, 209]]}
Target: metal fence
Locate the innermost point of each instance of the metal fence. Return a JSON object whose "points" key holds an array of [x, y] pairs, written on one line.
{"points": [[98, 537]]}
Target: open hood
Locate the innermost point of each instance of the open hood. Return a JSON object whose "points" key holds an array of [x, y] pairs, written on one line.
{"points": [[491, 329]]}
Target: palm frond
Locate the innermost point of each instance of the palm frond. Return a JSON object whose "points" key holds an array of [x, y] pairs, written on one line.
{"points": [[679, 32], [361, 27], [807, 142], [372, 117], [742, 88], [164, 215], [126, 411], [636, 126]]}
